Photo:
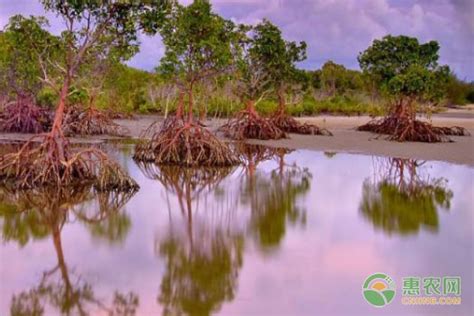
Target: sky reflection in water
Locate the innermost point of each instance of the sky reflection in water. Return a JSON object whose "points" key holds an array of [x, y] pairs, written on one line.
{"points": [[290, 233]]}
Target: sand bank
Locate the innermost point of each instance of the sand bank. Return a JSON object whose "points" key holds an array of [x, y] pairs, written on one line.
{"points": [[345, 139]]}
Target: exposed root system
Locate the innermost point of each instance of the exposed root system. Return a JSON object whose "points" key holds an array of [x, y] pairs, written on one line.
{"points": [[24, 116], [185, 144], [78, 121], [250, 125], [451, 131], [403, 129], [289, 125], [48, 160]]}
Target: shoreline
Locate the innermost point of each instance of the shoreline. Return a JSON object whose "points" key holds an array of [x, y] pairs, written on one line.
{"points": [[345, 140]]}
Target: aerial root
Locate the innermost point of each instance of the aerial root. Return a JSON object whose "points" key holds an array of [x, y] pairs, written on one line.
{"points": [[185, 144], [47, 160], [78, 121], [24, 116], [290, 125], [250, 125], [451, 131], [402, 129]]}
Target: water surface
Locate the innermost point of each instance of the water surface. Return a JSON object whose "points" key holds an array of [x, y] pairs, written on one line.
{"points": [[289, 233]]}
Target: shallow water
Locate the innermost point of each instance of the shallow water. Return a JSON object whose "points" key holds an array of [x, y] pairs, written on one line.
{"points": [[292, 234]]}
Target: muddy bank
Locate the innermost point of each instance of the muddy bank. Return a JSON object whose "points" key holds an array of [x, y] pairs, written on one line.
{"points": [[345, 139]]}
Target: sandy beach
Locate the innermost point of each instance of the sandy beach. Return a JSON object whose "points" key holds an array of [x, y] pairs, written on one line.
{"points": [[345, 139]]}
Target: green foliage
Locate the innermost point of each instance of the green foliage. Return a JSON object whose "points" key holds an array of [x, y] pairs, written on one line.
{"points": [[47, 97], [335, 79], [20, 45], [332, 76], [198, 43], [459, 92], [222, 107], [345, 105], [277, 55], [114, 22], [277, 60], [405, 68], [266, 107], [78, 96], [125, 88], [97, 35], [251, 78], [470, 94]]}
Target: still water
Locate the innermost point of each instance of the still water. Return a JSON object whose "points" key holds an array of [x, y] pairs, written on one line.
{"points": [[289, 233]]}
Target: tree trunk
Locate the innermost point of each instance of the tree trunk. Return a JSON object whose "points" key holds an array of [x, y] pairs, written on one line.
{"points": [[179, 109], [251, 107], [61, 261], [405, 110], [281, 164], [190, 106], [252, 167], [56, 129], [281, 101]]}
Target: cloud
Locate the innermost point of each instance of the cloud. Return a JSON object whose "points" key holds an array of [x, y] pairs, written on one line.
{"points": [[334, 29], [340, 29]]}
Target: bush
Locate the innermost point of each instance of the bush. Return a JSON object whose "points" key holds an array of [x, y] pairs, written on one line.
{"points": [[266, 107], [222, 107], [296, 110], [47, 98], [345, 105], [459, 92], [470, 96]]}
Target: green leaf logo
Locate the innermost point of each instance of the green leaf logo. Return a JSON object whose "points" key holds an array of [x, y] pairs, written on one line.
{"points": [[378, 289]]}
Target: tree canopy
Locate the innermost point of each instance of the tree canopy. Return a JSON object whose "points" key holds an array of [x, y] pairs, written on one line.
{"points": [[198, 43], [22, 43], [404, 67], [278, 56]]}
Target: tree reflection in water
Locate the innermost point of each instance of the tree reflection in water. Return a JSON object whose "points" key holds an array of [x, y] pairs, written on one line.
{"points": [[272, 199], [38, 214], [401, 200], [203, 250]]}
